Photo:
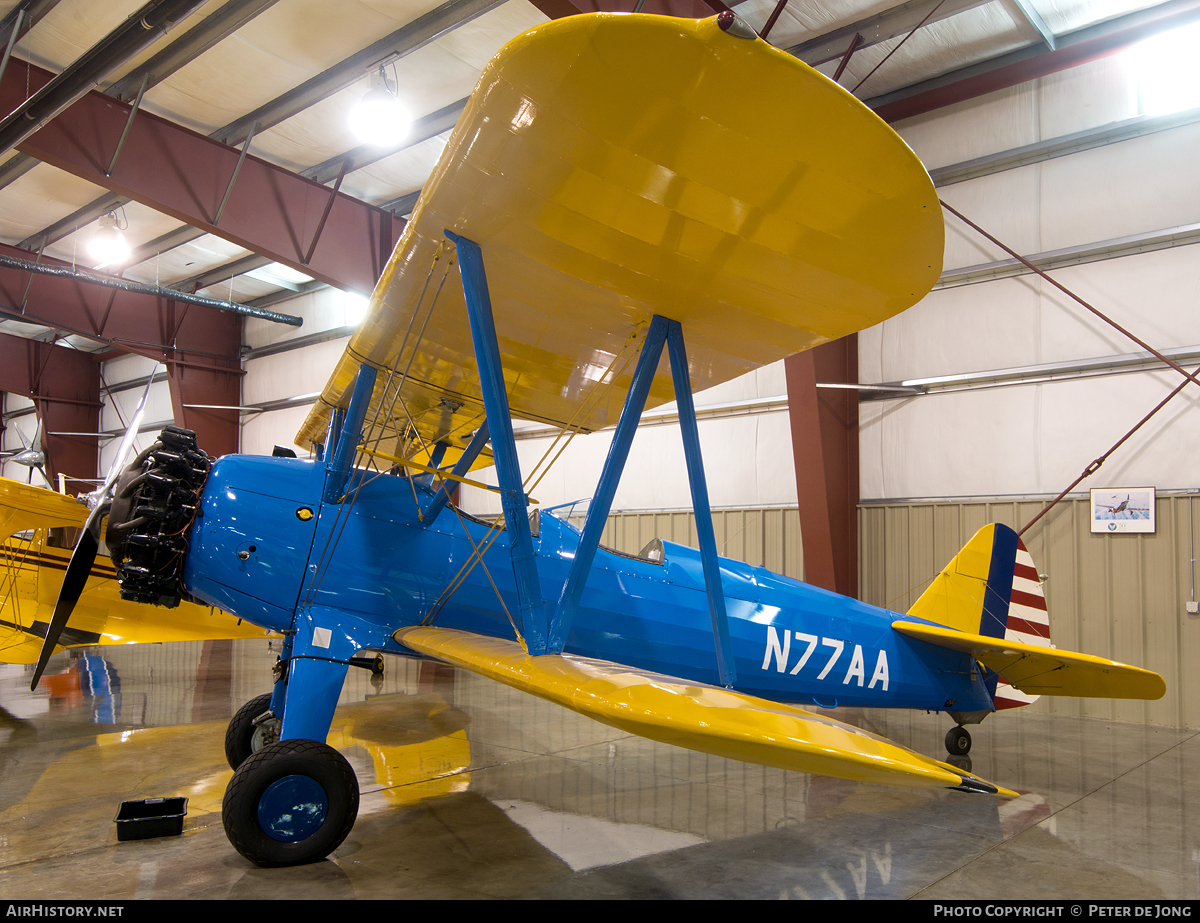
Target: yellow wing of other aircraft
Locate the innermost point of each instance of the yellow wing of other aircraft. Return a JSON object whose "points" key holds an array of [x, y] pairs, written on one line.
{"points": [[720, 182], [39, 528]]}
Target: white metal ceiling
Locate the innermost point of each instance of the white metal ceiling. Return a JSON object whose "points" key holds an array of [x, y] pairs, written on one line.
{"points": [[294, 40]]}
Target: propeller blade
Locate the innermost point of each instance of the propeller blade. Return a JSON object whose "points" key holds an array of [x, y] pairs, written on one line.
{"points": [[41, 468], [73, 583], [118, 463], [84, 555]]}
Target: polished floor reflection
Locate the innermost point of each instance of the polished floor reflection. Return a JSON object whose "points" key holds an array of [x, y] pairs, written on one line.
{"points": [[473, 790]]}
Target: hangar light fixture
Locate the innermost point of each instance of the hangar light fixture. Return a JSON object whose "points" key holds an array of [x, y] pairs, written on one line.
{"points": [[379, 118], [355, 307], [1167, 71], [108, 245], [278, 274]]}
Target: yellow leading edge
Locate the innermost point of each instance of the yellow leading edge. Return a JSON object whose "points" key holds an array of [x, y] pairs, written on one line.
{"points": [[692, 715], [613, 167], [39, 528]]}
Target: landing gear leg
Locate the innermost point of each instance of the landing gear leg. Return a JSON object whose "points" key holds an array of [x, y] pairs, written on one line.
{"points": [[958, 741], [292, 802]]}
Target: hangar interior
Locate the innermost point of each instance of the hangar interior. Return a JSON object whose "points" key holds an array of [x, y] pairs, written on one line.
{"points": [[1064, 128]]}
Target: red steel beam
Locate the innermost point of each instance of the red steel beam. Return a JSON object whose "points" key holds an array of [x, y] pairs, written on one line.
{"points": [[143, 324], [200, 346], [197, 377], [63, 384], [825, 449], [688, 9], [182, 173], [1110, 40]]}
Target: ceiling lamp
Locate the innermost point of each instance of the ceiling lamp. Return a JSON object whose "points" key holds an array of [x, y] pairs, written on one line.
{"points": [[379, 118], [1167, 74], [356, 308], [108, 245]]}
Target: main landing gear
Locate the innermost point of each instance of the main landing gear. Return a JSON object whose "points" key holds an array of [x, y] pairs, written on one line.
{"points": [[958, 741], [294, 801], [252, 728]]}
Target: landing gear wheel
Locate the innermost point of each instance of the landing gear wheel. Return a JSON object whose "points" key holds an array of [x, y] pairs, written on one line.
{"points": [[292, 802], [244, 736], [958, 741]]}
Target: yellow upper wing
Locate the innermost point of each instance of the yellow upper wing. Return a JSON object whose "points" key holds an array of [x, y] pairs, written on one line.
{"points": [[695, 716], [613, 167], [38, 528]]}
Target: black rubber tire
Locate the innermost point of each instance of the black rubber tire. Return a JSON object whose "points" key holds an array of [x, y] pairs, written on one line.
{"points": [[239, 736], [309, 758], [958, 741]]}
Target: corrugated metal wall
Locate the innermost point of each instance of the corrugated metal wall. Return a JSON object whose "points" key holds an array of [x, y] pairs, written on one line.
{"points": [[1116, 596]]}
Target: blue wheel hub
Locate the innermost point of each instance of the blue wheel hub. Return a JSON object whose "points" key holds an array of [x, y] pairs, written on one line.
{"points": [[292, 808]]}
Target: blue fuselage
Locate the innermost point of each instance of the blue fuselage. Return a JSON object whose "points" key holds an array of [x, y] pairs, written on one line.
{"points": [[265, 547]]}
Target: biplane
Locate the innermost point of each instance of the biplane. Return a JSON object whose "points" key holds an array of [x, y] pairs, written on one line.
{"points": [[38, 528], [618, 186]]}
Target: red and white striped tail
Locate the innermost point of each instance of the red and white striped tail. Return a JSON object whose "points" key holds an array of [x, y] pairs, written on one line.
{"points": [[1028, 622]]}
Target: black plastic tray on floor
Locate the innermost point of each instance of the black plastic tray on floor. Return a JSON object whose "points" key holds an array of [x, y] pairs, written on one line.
{"points": [[151, 817]]}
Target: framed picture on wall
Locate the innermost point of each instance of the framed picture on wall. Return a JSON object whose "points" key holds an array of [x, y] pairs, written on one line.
{"points": [[1123, 509]]}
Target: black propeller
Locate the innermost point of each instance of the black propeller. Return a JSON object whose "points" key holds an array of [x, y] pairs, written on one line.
{"points": [[78, 571], [84, 555]]}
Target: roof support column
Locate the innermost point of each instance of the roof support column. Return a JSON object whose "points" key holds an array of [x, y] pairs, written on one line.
{"points": [[63, 384], [825, 449], [204, 378]]}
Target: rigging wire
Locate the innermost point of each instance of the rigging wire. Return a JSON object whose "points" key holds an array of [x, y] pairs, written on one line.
{"points": [[476, 557], [1188, 378], [599, 391], [404, 342], [413, 353], [898, 46]]}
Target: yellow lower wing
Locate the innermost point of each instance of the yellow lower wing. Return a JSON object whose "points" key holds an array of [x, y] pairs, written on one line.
{"points": [[694, 716], [1044, 670]]}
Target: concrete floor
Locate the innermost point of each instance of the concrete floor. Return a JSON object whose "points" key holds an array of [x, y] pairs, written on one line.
{"points": [[472, 790]]}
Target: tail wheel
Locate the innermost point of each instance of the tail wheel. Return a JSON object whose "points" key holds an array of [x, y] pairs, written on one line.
{"points": [[958, 741], [292, 802], [252, 728]]}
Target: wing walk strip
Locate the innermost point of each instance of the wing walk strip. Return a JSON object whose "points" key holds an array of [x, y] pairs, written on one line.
{"points": [[691, 715]]}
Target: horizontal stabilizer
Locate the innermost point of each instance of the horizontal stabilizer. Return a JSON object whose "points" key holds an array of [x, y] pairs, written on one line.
{"points": [[1045, 670], [697, 717]]}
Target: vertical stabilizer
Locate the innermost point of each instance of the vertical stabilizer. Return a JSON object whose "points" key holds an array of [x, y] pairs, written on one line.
{"points": [[991, 588], [972, 592]]}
